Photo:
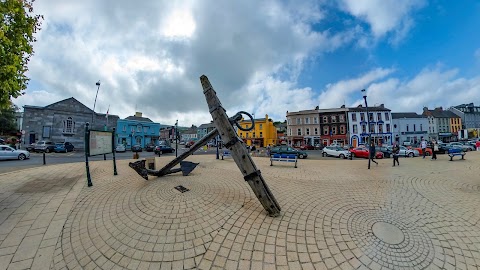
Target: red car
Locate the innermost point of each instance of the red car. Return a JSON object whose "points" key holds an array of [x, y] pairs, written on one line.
{"points": [[363, 152], [307, 147], [428, 151]]}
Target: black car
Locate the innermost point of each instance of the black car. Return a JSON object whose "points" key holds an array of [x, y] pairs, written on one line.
{"points": [[163, 149], [150, 147], [387, 153], [137, 148], [288, 150]]}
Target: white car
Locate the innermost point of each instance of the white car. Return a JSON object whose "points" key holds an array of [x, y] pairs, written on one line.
{"points": [[405, 152], [7, 152], [335, 151], [120, 148]]}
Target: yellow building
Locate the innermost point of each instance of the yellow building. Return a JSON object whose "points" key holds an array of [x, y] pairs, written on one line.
{"points": [[262, 135], [455, 123]]}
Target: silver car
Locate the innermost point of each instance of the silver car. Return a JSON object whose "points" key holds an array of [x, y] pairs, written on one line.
{"points": [[405, 152], [7, 152]]}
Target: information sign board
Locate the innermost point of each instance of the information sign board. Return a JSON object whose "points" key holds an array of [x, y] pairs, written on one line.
{"points": [[100, 142]]}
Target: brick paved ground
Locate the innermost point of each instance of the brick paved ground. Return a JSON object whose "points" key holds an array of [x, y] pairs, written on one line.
{"points": [[335, 215]]}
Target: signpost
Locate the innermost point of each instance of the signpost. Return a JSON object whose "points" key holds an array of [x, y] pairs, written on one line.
{"points": [[98, 142]]}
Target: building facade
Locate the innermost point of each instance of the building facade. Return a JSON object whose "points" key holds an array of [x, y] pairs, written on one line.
{"points": [[263, 134], [137, 130], [409, 127], [189, 134], [380, 125], [63, 121], [469, 113], [333, 126], [443, 125], [303, 128], [204, 129]]}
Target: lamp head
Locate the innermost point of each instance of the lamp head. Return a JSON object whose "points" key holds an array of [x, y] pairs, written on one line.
{"points": [[98, 83], [364, 93]]}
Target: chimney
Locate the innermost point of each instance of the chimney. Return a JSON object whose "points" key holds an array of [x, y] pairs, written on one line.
{"points": [[266, 117], [439, 109], [343, 106], [138, 114], [382, 105], [316, 108], [359, 106]]}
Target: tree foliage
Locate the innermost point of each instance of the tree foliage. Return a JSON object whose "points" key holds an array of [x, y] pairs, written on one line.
{"points": [[7, 119], [18, 24]]}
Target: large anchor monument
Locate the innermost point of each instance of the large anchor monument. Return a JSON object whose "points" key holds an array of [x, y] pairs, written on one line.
{"points": [[224, 128]]}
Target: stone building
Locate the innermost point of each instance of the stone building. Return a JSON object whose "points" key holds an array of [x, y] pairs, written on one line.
{"points": [[63, 121], [303, 127]]}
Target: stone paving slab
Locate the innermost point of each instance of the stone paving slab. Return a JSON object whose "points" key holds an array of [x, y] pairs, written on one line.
{"points": [[335, 215]]}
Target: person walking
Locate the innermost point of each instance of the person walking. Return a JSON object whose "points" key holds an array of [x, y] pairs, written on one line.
{"points": [[423, 145], [396, 152], [371, 149], [434, 149]]}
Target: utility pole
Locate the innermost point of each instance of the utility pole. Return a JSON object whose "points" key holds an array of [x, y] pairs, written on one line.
{"points": [[95, 103]]}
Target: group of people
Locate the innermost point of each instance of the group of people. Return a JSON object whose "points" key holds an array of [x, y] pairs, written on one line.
{"points": [[396, 151]]}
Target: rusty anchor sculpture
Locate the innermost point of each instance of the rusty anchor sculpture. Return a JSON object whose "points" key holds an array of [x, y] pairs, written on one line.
{"points": [[224, 128]]}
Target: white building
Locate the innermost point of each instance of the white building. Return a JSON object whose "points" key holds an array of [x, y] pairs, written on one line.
{"points": [[409, 127], [380, 125]]}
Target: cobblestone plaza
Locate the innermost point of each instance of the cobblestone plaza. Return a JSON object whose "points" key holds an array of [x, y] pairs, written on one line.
{"points": [[336, 214]]}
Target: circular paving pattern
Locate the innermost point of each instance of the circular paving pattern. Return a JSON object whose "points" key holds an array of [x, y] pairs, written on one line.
{"points": [[388, 233]]}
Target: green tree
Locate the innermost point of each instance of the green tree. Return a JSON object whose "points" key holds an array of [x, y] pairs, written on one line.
{"points": [[7, 119], [18, 24]]}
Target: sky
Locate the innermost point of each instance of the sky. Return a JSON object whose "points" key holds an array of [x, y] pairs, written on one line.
{"points": [[263, 57]]}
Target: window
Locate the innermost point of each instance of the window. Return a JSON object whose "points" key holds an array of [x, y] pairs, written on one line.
{"points": [[372, 128], [46, 132], [261, 126], [354, 117], [139, 128], [241, 135], [407, 127], [342, 118], [370, 117], [289, 132], [325, 130], [145, 129], [380, 128], [307, 131], [299, 121], [299, 132], [138, 140], [414, 127], [387, 117], [379, 116], [261, 134], [364, 129], [362, 117], [315, 120], [132, 129], [68, 126], [334, 130], [325, 119], [355, 129], [124, 128], [307, 120], [342, 129], [316, 131], [388, 127], [289, 121], [334, 118]]}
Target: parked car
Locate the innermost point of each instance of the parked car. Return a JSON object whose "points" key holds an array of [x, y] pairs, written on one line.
{"points": [[288, 150], [7, 152], [405, 152], [363, 152], [150, 147], [386, 152], [428, 151], [44, 146], [31, 147], [60, 148], [470, 145], [307, 147], [137, 148], [334, 151], [163, 149], [120, 148], [188, 144], [465, 148]]}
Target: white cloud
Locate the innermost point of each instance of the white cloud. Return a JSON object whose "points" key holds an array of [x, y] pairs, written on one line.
{"points": [[384, 16]]}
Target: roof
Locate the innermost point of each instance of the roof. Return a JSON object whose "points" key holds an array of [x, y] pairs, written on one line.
{"points": [[407, 115], [370, 109], [209, 125], [443, 114], [140, 119]]}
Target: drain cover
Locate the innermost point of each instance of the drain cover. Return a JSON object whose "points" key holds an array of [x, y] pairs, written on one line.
{"points": [[182, 189]]}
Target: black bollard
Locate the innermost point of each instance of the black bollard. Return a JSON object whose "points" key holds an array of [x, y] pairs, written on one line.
{"points": [[44, 162], [104, 157]]}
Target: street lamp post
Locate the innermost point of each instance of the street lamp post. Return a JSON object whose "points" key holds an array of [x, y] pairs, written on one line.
{"points": [[216, 143], [368, 124], [95, 103], [176, 138]]}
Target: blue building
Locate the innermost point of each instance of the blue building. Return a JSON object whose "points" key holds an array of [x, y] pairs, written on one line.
{"points": [[204, 129], [137, 130]]}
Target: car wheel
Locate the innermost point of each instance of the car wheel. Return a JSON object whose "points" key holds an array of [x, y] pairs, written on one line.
{"points": [[301, 156], [410, 154], [47, 150], [427, 154], [22, 156], [342, 156]]}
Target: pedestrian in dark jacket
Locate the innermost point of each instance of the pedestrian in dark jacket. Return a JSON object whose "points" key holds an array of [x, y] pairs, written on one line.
{"points": [[371, 150], [396, 153]]}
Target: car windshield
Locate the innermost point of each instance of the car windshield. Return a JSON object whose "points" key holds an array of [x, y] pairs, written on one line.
{"points": [[59, 145]]}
